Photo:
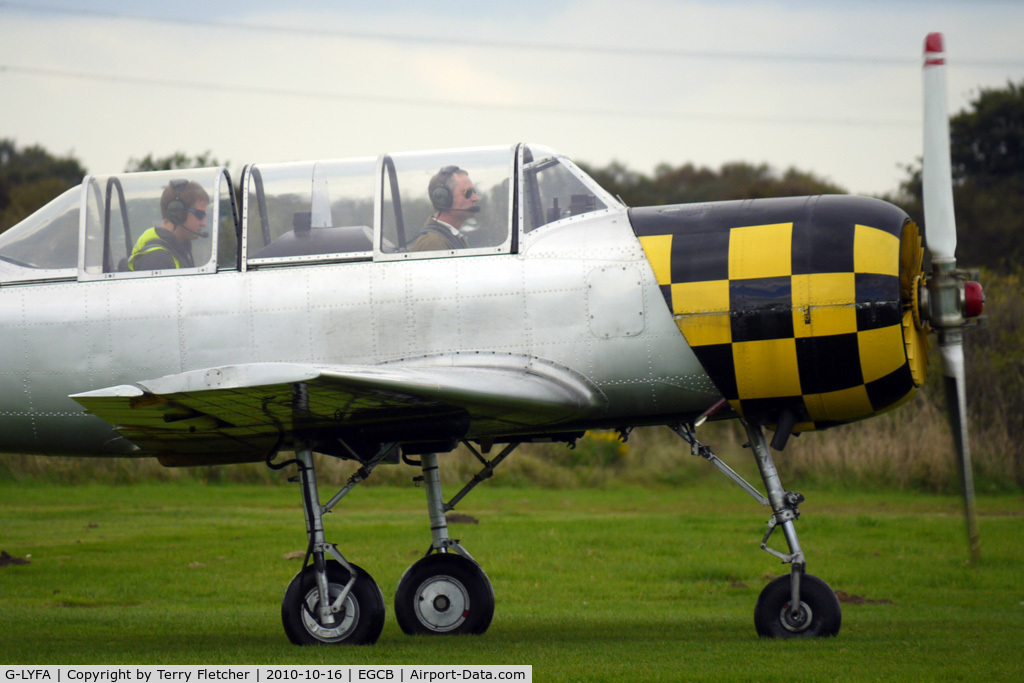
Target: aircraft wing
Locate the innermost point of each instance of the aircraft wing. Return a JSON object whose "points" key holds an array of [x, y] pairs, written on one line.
{"points": [[238, 413]]}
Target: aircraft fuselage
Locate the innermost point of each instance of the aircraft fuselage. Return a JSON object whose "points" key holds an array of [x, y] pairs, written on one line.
{"points": [[581, 296]]}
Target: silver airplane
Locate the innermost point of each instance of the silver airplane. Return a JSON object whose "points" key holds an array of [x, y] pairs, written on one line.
{"points": [[388, 308]]}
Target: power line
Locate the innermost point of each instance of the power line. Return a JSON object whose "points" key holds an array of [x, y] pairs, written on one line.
{"points": [[592, 50], [392, 100]]}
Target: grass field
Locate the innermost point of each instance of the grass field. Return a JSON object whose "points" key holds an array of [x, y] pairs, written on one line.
{"points": [[619, 584]]}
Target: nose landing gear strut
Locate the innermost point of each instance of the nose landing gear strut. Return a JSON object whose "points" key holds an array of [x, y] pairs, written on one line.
{"points": [[798, 605]]}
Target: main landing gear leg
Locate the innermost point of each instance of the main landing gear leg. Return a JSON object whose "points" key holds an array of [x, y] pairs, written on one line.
{"points": [[798, 605], [330, 601], [446, 592]]}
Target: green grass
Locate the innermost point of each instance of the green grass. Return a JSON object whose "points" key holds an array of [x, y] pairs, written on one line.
{"points": [[614, 584]]}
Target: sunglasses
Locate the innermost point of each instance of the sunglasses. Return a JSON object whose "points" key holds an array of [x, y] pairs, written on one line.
{"points": [[201, 215], [470, 191]]}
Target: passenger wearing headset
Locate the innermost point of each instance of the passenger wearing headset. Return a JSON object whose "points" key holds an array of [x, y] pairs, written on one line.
{"points": [[455, 200], [183, 209]]}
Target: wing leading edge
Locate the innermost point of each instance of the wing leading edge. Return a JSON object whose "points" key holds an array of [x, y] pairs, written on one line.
{"points": [[239, 413]]}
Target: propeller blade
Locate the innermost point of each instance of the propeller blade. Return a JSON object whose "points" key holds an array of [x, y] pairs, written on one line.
{"points": [[945, 283], [956, 404], [937, 176]]}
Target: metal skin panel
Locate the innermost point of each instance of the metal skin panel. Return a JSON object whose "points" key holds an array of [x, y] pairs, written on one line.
{"points": [[532, 309], [615, 302], [214, 330], [793, 305]]}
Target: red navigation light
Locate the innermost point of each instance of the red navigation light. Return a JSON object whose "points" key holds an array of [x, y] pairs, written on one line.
{"points": [[974, 299]]}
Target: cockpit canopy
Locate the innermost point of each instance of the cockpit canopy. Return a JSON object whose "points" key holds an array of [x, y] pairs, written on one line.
{"points": [[408, 203], [308, 210], [119, 209], [291, 213]]}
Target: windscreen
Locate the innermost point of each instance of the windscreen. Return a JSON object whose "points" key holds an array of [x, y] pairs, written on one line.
{"points": [[555, 188], [48, 239]]}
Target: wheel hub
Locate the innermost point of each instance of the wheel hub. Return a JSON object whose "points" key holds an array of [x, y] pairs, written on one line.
{"points": [[344, 620], [442, 603], [796, 620]]}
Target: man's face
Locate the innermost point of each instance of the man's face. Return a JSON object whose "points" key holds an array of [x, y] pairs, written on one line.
{"points": [[464, 195], [193, 223]]}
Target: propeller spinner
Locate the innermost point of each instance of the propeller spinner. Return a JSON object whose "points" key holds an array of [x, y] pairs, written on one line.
{"points": [[949, 302]]}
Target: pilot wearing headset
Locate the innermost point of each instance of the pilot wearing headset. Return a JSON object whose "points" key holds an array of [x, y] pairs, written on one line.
{"points": [[183, 208], [455, 200]]}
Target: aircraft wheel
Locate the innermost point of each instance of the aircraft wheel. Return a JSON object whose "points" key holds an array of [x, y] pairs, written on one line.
{"points": [[359, 622], [444, 593], [819, 614]]}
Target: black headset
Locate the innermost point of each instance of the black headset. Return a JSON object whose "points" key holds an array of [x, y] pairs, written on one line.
{"points": [[176, 211], [440, 194]]}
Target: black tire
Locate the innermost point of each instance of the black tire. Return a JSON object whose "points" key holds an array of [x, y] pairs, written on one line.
{"points": [[359, 622], [444, 594], [820, 614]]}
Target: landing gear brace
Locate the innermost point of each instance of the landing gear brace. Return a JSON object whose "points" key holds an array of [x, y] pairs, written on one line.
{"points": [[446, 592]]}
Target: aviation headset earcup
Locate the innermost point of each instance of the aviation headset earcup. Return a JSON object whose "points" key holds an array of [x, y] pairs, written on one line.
{"points": [[441, 195], [176, 211]]}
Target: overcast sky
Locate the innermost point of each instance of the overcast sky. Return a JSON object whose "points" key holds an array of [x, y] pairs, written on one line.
{"points": [[830, 87]]}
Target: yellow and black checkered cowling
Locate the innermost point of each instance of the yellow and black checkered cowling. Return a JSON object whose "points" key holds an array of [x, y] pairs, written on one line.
{"points": [[799, 304]]}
